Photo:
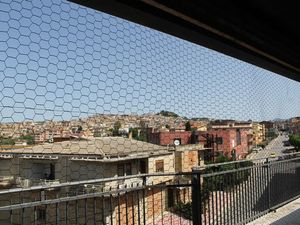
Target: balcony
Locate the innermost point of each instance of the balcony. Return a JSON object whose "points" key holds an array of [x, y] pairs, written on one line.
{"points": [[236, 192], [6, 181], [62, 66], [122, 183], [27, 183], [287, 214]]}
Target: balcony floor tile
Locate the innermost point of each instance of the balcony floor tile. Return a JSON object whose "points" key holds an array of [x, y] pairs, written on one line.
{"points": [[288, 214]]}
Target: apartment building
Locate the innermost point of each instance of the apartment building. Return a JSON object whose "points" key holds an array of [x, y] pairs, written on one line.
{"points": [[96, 158], [230, 138], [293, 125], [169, 136], [259, 133]]}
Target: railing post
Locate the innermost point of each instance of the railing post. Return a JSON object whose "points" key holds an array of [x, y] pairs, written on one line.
{"points": [[42, 195], [144, 200], [268, 183], [196, 197]]}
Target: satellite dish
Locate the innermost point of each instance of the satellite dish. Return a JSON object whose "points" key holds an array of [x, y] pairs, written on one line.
{"points": [[176, 142]]}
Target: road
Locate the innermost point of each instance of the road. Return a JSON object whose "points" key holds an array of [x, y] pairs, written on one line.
{"points": [[275, 146], [250, 197]]}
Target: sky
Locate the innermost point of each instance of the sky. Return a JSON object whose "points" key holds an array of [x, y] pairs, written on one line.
{"points": [[62, 61]]}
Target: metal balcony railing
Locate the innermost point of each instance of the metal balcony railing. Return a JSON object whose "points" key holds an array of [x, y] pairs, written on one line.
{"points": [[226, 193], [27, 183], [6, 181]]}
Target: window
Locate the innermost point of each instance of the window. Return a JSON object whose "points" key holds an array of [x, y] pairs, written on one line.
{"points": [[219, 140], [124, 169], [238, 137], [159, 166], [143, 168], [127, 169], [120, 170], [52, 172], [40, 171]]}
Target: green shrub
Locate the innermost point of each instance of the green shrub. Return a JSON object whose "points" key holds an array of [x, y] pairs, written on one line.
{"points": [[7, 141], [184, 210], [228, 180], [295, 140]]}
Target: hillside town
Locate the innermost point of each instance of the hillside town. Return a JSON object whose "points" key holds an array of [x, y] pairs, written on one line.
{"points": [[221, 136], [110, 146]]}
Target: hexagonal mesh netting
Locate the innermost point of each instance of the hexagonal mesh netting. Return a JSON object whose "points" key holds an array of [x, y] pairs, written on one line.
{"points": [[85, 95]]}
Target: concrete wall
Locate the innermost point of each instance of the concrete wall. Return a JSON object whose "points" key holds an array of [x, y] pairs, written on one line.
{"points": [[169, 163], [65, 170], [186, 160]]}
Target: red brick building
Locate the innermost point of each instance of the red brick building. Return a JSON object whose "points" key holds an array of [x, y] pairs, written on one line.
{"points": [[168, 137], [228, 138]]}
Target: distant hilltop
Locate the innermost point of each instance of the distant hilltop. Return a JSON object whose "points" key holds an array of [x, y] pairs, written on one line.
{"points": [[168, 114]]}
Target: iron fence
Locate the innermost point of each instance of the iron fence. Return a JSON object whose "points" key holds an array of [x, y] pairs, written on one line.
{"points": [[226, 193], [239, 192], [156, 199]]}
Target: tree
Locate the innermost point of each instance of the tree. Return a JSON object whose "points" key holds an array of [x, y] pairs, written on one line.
{"points": [[79, 129], [167, 114], [227, 180], [295, 141], [28, 138], [188, 126], [271, 135], [140, 136], [143, 132], [7, 141], [143, 137], [194, 137], [135, 133], [184, 210], [117, 126]]}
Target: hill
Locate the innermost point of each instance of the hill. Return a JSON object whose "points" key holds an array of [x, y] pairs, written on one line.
{"points": [[168, 114]]}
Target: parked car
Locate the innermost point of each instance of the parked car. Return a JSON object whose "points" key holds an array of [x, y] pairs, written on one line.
{"points": [[257, 149]]}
